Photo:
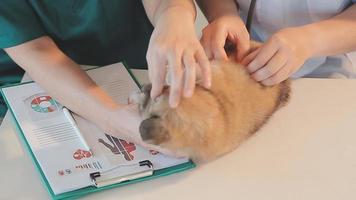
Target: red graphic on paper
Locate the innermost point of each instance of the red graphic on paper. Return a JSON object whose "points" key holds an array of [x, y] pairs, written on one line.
{"points": [[154, 152], [119, 146], [61, 172], [79, 154], [64, 172], [48, 106]]}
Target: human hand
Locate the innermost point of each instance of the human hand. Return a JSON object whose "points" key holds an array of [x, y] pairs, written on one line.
{"points": [[124, 123], [221, 29], [174, 43], [277, 59]]}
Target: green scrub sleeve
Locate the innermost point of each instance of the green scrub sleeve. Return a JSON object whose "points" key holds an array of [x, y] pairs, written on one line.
{"points": [[18, 23]]}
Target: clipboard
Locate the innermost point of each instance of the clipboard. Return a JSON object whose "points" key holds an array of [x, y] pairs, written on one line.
{"points": [[100, 184]]}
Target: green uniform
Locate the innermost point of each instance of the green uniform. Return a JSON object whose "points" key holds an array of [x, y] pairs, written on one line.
{"points": [[91, 32]]}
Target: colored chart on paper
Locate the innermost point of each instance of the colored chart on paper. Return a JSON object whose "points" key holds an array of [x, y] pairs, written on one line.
{"points": [[44, 104], [119, 146]]}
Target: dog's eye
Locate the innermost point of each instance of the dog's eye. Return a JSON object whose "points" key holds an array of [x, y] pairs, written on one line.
{"points": [[154, 116]]}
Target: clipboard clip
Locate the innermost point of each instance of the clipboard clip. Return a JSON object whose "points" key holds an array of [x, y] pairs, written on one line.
{"points": [[117, 174]]}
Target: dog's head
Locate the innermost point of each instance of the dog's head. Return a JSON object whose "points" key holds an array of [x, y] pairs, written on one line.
{"points": [[180, 130]]}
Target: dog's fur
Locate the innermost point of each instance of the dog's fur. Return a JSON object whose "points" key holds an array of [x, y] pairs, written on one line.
{"points": [[211, 122]]}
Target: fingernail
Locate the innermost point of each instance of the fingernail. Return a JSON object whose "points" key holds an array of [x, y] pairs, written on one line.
{"points": [[173, 103], [208, 85], [188, 93], [254, 77], [252, 66]]}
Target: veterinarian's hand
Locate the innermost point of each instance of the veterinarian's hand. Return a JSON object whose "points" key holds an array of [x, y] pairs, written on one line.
{"points": [[124, 123], [225, 28], [277, 59], [174, 47]]}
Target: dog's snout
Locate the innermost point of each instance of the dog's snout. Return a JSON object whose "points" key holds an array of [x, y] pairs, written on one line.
{"points": [[153, 131], [147, 129]]}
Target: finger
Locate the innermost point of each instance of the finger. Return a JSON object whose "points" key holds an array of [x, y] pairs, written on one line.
{"points": [[204, 66], [255, 45], [242, 45], [157, 73], [176, 71], [217, 44], [272, 67], [150, 64], [247, 59], [189, 76], [265, 54], [278, 77], [205, 42]]}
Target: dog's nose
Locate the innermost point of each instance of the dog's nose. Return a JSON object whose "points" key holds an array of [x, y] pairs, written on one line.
{"points": [[146, 136], [146, 130]]}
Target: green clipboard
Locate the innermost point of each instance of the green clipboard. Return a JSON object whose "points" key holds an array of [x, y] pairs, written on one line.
{"points": [[91, 189]]}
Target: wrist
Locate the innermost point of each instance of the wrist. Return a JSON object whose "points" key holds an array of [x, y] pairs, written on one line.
{"points": [[109, 120], [176, 12], [313, 40], [305, 40], [223, 11], [228, 13], [104, 114]]}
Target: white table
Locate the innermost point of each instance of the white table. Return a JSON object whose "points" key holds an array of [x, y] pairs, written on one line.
{"points": [[306, 151]]}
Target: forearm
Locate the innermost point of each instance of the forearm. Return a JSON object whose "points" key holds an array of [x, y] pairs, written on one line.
{"points": [[333, 36], [214, 9], [155, 8], [63, 79]]}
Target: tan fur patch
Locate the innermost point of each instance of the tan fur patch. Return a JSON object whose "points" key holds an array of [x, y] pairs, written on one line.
{"points": [[212, 122]]}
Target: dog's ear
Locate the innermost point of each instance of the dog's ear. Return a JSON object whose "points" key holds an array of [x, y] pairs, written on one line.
{"points": [[231, 50], [152, 130]]}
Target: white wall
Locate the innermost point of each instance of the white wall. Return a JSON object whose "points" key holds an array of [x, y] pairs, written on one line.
{"points": [[200, 23]]}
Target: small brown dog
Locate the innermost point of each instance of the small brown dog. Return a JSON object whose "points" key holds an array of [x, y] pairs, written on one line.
{"points": [[212, 122]]}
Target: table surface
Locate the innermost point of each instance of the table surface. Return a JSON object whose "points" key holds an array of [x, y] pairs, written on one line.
{"points": [[306, 151]]}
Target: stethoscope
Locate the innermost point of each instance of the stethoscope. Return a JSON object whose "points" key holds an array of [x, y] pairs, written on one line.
{"points": [[250, 13]]}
